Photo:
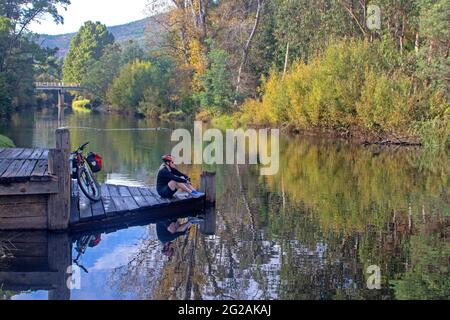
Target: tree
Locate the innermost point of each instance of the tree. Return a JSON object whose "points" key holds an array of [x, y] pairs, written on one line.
{"points": [[101, 73], [131, 51], [127, 90], [86, 47], [20, 56], [435, 63], [19, 14], [217, 92]]}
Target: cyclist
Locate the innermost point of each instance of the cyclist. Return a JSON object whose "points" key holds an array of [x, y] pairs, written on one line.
{"points": [[170, 180]]}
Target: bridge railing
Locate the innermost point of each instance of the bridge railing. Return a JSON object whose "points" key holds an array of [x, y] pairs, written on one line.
{"points": [[57, 84]]}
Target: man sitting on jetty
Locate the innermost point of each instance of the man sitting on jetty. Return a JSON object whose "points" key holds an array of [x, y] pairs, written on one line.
{"points": [[170, 180]]}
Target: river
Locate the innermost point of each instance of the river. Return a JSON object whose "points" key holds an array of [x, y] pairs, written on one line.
{"points": [[333, 214]]}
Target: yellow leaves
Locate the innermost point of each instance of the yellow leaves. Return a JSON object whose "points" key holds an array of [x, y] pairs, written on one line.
{"points": [[197, 62], [346, 86]]}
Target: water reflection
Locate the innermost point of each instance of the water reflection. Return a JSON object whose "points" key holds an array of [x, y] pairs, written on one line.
{"points": [[310, 232], [34, 262]]}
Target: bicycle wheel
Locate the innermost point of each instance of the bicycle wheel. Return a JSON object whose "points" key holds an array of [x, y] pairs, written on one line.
{"points": [[87, 183]]}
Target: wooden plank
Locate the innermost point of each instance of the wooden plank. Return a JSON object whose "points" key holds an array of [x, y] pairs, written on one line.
{"points": [[18, 209], [155, 194], [44, 155], [98, 212], [6, 153], [85, 208], [141, 201], [109, 206], [26, 154], [113, 191], [131, 203], [105, 191], [4, 165], [36, 154], [145, 192], [29, 188], [27, 168], [12, 170], [124, 192], [15, 153], [39, 170], [134, 191], [120, 204], [23, 200]]}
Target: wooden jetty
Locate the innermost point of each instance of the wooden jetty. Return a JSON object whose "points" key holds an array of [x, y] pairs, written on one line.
{"points": [[125, 205], [37, 193]]}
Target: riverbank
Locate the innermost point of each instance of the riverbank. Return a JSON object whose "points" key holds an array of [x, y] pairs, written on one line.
{"points": [[353, 88]]}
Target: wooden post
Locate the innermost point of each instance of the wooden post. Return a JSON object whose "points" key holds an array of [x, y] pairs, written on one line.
{"points": [[59, 259], [59, 166], [208, 186], [60, 105], [208, 226]]}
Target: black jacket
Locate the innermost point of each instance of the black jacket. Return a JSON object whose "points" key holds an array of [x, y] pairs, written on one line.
{"points": [[165, 176]]}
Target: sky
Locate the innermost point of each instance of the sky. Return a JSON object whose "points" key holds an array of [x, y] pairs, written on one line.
{"points": [[109, 12]]}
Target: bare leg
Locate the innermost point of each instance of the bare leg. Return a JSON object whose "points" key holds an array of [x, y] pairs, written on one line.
{"points": [[179, 186]]}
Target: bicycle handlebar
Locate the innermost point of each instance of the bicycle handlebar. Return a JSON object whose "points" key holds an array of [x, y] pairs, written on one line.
{"points": [[81, 148]]}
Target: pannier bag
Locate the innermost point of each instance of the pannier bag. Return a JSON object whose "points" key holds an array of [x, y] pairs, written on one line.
{"points": [[94, 161]]}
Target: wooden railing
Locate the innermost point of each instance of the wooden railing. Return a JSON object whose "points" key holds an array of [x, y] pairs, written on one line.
{"points": [[57, 85]]}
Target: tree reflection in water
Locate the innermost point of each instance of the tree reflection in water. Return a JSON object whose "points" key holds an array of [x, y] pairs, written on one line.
{"points": [[312, 231]]}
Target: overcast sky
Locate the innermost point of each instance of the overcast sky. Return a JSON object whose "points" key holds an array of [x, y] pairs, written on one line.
{"points": [[109, 12]]}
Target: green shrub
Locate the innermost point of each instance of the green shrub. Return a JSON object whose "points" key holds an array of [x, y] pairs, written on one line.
{"points": [[140, 87], [82, 105], [6, 142], [351, 85]]}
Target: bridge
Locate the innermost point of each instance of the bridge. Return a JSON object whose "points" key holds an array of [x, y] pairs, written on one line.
{"points": [[58, 86]]}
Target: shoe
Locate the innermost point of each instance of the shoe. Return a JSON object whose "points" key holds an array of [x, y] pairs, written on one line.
{"points": [[195, 220], [197, 194]]}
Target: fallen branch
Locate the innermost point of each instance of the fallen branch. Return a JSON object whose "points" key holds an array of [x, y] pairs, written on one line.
{"points": [[393, 143]]}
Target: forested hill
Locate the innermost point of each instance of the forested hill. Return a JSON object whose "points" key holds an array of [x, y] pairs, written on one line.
{"points": [[130, 31]]}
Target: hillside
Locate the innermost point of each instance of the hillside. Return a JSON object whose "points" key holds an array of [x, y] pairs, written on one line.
{"points": [[136, 30]]}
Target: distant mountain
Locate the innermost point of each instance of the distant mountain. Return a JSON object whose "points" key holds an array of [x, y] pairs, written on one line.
{"points": [[137, 31]]}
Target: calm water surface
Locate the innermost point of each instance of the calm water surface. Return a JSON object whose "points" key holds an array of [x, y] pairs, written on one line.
{"points": [[309, 232]]}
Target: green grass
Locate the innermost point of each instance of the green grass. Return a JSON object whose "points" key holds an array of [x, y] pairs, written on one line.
{"points": [[82, 106], [6, 142]]}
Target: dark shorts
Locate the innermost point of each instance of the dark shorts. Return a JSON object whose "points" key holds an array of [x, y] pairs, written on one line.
{"points": [[166, 192]]}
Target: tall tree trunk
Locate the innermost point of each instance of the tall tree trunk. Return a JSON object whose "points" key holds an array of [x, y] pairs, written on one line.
{"points": [[286, 60], [247, 47], [417, 43]]}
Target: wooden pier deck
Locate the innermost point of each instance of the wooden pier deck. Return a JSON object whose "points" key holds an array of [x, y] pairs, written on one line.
{"points": [[23, 165], [121, 204], [37, 193]]}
